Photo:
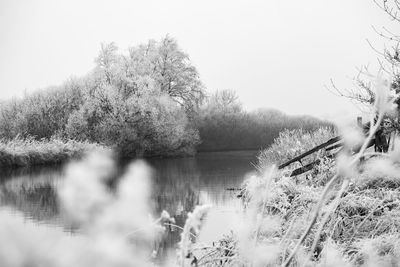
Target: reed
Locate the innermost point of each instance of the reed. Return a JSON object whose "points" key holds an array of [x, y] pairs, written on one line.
{"points": [[26, 152]]}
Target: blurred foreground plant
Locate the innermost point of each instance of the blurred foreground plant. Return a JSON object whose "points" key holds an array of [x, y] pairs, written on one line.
{"points": [[350, 202], [115, 226]]}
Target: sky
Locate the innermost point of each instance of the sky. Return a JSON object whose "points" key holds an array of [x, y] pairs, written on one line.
{"points": [[275, 54]]}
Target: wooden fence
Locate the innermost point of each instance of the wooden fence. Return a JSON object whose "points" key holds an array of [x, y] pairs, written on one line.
{"points": [[331, 144]]}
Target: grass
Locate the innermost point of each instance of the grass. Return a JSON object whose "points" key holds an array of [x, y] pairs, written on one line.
{"points": [[28, 152], [345, 213], [292, 143], [362, 230]]}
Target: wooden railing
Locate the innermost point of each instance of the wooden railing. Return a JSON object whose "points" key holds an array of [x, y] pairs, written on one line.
{"points": [[333, 143], [311, 151]]}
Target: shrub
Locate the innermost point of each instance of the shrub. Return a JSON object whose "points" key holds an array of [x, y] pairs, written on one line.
{"points": [[292, 143], [20, 152]]}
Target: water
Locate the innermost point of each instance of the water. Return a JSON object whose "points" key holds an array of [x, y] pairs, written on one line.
{"points": [[179, 184]]}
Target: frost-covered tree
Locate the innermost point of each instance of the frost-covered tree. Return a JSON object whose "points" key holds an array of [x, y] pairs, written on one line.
{"points": [[176, 75], [161, 65], [138, 102]]}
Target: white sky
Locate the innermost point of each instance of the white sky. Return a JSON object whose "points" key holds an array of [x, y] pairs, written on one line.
{"points": [[275, 54]]}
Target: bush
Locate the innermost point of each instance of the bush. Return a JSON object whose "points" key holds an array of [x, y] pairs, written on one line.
{"points": [[27, 152], [292, 143]]}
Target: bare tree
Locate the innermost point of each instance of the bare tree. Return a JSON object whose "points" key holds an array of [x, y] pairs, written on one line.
{"points": [[389, 61]]}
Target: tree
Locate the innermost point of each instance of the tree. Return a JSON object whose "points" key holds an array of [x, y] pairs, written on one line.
{"points": [[224, 125], [176, 75], [106, 61], [130, 101], [138, 103], [160, 66], [389, 60], [225, 101]]}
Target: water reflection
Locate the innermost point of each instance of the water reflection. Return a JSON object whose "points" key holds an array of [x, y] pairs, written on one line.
{"points": [[32, 192], [179, 185]]}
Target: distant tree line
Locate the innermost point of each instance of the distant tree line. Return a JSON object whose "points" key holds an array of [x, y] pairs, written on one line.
{"points": [[224, 125], [147, 102]]}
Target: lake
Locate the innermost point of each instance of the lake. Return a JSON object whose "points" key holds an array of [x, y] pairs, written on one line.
{"points": [[179, 184]]}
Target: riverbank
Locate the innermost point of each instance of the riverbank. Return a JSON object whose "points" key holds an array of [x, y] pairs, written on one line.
{"points": [[20, 152], [358, 225], [176, 183], [28, 152]]}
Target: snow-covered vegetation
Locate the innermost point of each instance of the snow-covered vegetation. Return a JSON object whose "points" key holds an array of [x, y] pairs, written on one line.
{"points": [[351, 217], [147, 102], [26, 152], [344, 212]]}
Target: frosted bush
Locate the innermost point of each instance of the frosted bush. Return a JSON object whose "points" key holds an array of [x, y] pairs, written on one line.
{"points": [[292, 143]]}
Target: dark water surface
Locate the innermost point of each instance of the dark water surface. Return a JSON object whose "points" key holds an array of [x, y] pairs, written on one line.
{"points": [[179, 184]]}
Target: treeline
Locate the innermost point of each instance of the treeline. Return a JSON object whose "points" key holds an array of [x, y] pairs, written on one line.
{"points": [[139, 103], [147, 102], [224, 125]]}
